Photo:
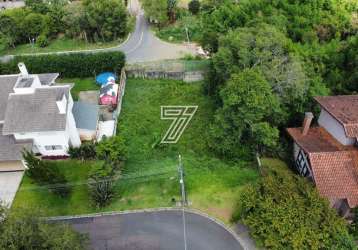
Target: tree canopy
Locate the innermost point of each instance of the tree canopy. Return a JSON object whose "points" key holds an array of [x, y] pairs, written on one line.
{"points": [[284, 211], [248, 101], [24, 229]]}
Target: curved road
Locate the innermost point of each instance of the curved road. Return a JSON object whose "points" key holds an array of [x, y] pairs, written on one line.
{"points": [[155, 231], [141, 46]]}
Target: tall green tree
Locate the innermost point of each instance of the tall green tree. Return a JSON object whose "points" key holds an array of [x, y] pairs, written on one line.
{"points": [[101, 184], [24, 229], [248, 100], [157, 10], [107, 19], [284, 211], [46, 174]]}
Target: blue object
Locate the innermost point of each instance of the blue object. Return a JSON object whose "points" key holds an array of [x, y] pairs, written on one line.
{"points": [[103, 78]]}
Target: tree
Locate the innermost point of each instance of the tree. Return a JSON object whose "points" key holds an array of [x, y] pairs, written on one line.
{"points": [[217, 20], [284, 211], [24, 229], [172, 4], [156, 10], [114, 149], [194, 6], [101, 184], [106, 19], [247, 101], [47, 174], [265, 48], [75, 22], [37, 24], [265, 137]]}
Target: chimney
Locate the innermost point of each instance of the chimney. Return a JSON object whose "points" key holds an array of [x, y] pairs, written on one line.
{"points": [[307, 123], [23, 69]]}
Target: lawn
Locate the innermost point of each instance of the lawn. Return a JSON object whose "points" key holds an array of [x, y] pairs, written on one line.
{"points": [[81, 84], [150, 177], [60, 44]]}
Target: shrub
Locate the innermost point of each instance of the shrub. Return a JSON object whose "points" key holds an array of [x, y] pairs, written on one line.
{"points": [[284, 211], [68, 65], [25, 229], [42, 41], [87, 151], [194, 6], [46, 174], [113, 149], [101, 184]]}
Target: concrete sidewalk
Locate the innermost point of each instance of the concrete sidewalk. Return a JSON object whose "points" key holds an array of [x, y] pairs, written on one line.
{"points": [[9, 184]]}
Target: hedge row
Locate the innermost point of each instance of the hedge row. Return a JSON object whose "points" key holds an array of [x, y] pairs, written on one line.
{"points": [[68, 65]]}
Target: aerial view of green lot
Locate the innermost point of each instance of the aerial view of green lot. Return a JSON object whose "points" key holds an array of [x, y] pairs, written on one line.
{"points": [[149, 176]]}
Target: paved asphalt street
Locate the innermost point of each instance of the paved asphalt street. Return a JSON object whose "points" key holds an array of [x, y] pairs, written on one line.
{"points": [[143, 45], [155, 231]]}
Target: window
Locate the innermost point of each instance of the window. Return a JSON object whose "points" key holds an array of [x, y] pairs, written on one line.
{"points": [[302, 165], [53, 147]]}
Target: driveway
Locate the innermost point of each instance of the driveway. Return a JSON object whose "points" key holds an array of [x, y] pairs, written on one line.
{"points": [[9, 183], [162, 230]]}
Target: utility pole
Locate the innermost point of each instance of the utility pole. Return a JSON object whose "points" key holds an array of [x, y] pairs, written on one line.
{"points": [[181, 182], [187, 34], [183, 198]]}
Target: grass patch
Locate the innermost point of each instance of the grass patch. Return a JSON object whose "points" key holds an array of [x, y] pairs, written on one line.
{"points": [[81, 84], [176, 32], [57, 45], [212, 184], [150, 177]]}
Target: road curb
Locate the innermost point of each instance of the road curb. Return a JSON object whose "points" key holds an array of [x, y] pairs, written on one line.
{"points": [[151, 210]]}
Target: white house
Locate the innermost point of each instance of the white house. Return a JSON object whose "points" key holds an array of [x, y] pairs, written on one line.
{"points": [[37, 114]]}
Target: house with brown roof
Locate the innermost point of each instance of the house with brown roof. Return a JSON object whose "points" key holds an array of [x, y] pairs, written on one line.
{"points": [[328, 153]]}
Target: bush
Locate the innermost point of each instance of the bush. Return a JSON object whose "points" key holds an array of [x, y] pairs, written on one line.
{"points": [[101, 184], [87, 151], [42, 41], [46, 174], [113, 149], [284, 211], [68, 65], [194, 6], [25, 229]]}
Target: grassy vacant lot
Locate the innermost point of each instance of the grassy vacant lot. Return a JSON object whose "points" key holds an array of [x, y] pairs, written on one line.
{"points": [[61, 44], [150, 177]]}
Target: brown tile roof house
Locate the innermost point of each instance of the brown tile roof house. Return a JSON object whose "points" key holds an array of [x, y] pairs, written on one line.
{"points": [[345, 109], [332, 165]]}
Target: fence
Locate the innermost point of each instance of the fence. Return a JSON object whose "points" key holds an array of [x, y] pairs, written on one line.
{"points": [[183, 70]]}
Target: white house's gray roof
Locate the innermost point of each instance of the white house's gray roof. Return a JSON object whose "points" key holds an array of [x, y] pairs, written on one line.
{"points": [[7, 84], [86, 115], [10, 150], [48, 79], [37, 112]]}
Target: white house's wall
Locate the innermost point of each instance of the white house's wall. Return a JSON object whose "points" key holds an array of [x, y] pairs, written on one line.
{"points": [[51, 138], [334, 128], [71, 128]]}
